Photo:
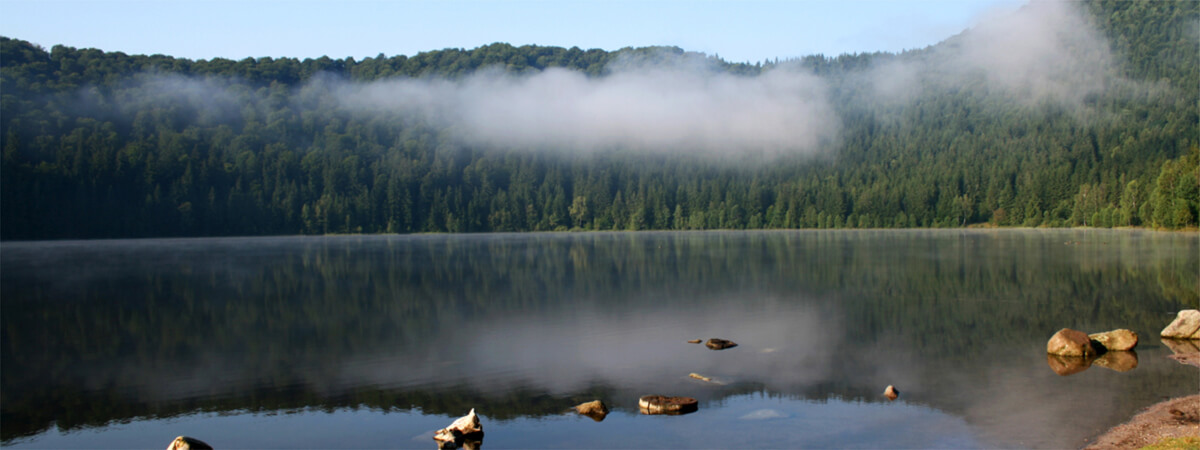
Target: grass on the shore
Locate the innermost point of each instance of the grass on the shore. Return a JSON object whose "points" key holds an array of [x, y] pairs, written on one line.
{"points": [[1180, 443]]}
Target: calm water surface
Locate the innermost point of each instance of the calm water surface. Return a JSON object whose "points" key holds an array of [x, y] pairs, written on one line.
{"points": [[369, 342]]}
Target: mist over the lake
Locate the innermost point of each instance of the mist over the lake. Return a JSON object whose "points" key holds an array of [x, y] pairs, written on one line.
{"points": [[668, 109], [683, 104]]}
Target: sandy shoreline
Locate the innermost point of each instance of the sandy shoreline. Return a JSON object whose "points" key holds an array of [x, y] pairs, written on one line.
{"points": [[1174, 418]]}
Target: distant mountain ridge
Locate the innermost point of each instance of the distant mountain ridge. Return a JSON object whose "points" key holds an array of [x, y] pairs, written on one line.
{"points": [[1059, 115]]}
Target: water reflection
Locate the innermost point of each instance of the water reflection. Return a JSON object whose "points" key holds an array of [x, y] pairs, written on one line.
{"points": [[530, 325]]}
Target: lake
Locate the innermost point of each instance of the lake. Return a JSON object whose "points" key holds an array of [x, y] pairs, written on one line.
{"points": [[377, 341]]}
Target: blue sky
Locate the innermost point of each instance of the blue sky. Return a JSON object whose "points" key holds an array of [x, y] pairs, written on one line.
{"points": [[736, 30]]}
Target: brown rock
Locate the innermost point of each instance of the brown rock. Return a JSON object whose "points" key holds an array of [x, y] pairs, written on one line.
{"points": [[1185, 326], [659, 404], [695, 341], [594, 409], [719, 344], [891, 393], [1068, 365], [188, 443], [700, 377], [1118, 361], [1068, 342], [1116, 340]]}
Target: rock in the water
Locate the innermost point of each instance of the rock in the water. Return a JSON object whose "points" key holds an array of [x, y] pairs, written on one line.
{"points": [[694, 341], [1181, 347], [891, 393], [594, 409], [1068, 365], [1118, 361], [188, 443], [1116, 340], [660, 404], [465, 427], [700, 377], [719, 344], [1068, 342], [1185, 351], [1185, 326]]}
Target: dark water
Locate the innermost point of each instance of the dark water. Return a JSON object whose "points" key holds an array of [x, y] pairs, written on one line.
{"points": [[370, 342]]}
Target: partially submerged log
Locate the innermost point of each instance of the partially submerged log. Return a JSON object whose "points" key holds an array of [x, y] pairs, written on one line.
{"points": [[719, 344], [660, 404], [700, 377], [188, 443], [464, 428]]}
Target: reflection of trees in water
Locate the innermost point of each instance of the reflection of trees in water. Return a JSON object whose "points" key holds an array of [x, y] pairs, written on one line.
{"points": [[252, 312]]}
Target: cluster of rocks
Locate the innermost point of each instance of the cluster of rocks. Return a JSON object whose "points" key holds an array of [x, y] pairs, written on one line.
{"points": [[1071, 351]]}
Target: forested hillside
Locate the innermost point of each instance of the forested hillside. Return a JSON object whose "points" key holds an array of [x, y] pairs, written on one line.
{"points": [[1096, 125]]}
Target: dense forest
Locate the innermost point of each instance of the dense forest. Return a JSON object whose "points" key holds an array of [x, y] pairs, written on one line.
{"points": [[103, 144]]}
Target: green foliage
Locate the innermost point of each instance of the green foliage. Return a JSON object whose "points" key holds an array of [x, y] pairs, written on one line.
{"points": [[98, 144]]}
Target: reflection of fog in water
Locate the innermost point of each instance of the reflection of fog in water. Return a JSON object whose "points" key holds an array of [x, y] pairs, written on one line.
{"points": [[524, 325]]}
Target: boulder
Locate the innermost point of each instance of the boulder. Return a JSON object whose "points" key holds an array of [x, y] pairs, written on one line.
{"points": [[891, 393], [594, 409], [465, 427], [1068, 365], [719, 344], [1185, 326], [1116, 340], [1118, 361], [188, 443], [1068, 342], [660, 404]]}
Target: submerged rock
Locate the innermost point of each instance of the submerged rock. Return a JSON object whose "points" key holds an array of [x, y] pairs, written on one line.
{"points": [[1185, 351], [1185, 326], [719, 344], [1116, 340], [188, 443], [1123, 361], [694, 341], [891, 393], [595, 409], [660, 404], [1068, 342], [461, 430], [1068, 365], [700, 377]]}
